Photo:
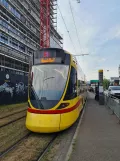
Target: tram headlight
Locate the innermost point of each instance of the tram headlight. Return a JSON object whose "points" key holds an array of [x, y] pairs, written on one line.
{"points": [[63, 105]]}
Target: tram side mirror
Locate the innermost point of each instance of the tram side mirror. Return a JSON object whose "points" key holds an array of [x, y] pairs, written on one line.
{"points": [[109, 89]]}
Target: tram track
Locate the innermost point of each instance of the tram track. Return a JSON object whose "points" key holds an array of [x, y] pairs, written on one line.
{"points": [[46, 148], [12, 133], [37, 145], [8, 120], [36, 152], [3, 153], [61, 147], [12, 114]]}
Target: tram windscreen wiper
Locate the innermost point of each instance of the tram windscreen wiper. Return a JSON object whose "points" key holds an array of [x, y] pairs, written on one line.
{"points": [[37, 99], [48, 78]]}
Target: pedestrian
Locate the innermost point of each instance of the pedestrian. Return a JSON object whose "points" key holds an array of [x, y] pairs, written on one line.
{"points": [[96, 93]]}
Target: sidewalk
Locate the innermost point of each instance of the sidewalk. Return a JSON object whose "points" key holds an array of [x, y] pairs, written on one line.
{"points": [[99, 135]]}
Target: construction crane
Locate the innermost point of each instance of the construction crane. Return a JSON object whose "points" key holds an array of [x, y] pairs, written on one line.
{"points": [[48, 21]]}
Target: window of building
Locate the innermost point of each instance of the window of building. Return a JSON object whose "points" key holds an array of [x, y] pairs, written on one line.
{"points": [[5, 3], [14, 42], [10, 8], [30, 51], [21, 36], [12, 23], [22, 47], [33, 28], [17, 14], [13, 10], [3, 38], [22, 18], [72, 85], [22, 30], [28, 24], [3, 23], [2, 15], [1, 60], [9, 62], [13, 30], [18, 65]]}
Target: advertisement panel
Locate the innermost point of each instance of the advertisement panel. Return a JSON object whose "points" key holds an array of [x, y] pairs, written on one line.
{"points": [[13, 88]]}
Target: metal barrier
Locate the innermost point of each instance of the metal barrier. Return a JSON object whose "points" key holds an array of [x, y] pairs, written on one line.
{"points": [[113, 103]]}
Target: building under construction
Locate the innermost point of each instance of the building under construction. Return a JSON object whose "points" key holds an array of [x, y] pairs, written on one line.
{"points": [[24, 28]]}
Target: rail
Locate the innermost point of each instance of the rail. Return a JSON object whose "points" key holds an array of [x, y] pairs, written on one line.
{"points": [[113, 103]]}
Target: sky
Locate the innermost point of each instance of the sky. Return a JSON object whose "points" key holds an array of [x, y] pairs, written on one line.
{"points": [[98, 26]]}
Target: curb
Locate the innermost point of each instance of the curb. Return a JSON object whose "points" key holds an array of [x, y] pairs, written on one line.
{"points": [[75, 135]]}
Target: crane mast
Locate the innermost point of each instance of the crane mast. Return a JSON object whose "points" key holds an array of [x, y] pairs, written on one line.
{"points": [[48, 21]]}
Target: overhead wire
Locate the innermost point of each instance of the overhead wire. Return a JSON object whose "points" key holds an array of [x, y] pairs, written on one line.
{"points": [[75, 25], [69, 32], [67, 29], [71, 9]]}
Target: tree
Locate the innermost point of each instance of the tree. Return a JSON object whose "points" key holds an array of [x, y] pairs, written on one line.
{"points": [[106, 83]]}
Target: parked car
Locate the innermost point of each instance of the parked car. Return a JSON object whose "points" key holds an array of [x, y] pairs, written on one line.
{"points": [[114, 91], [91, 89]]}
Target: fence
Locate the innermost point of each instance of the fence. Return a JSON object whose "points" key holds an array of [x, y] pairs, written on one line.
{"points": [[113, 103]]}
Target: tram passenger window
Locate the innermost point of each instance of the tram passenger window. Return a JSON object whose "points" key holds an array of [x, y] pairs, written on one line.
{"points": [[72, 85]]}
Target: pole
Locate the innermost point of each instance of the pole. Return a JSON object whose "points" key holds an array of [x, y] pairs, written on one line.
{"points": [[119, 74], [101, 94]]}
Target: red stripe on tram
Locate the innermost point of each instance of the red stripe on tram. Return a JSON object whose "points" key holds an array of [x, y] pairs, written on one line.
{"points": [[31, 110]]}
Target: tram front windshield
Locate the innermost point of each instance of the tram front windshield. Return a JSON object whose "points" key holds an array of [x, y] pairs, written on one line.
{"points": [[48, 84]]}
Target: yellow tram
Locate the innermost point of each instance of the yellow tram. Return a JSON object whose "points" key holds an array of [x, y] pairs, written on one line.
{"points": [[54, 98]]}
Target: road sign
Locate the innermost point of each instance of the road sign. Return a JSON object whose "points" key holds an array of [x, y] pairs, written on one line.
{"points": [[94, 81]]}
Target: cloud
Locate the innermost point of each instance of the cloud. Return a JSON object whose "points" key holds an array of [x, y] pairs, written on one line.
{"points": [[99, 33], [107, 35], [102, 60]]}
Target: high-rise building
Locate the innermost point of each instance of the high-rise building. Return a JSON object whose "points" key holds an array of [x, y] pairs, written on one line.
{"points": [[20, 37]]}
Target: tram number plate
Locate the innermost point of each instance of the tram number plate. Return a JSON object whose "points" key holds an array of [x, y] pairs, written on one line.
{"points": [[47, 60]]}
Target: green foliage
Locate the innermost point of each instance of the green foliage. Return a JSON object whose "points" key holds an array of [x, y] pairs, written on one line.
{"points": [[106, 83]]}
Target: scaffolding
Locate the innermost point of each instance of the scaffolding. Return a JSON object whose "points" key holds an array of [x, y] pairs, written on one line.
{"points": [[48, 21]]}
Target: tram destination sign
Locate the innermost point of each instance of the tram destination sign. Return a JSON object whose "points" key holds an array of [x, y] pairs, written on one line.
{"points": [[51, 56]]}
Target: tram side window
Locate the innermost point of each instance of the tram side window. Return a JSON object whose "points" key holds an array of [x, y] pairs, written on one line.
{"points": [[72, 85]]}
